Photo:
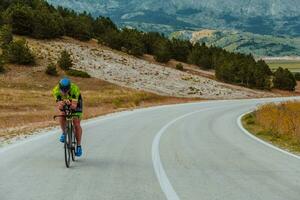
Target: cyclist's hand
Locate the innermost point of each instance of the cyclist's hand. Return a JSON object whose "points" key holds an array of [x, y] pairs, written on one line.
{"points": [[73, 105], [60, 105], [68, 102]]}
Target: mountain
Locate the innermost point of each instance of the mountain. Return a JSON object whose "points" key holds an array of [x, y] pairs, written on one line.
{"points": [[271, 17], [244, 42]]}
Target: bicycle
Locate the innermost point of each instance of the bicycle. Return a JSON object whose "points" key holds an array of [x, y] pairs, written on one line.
{"points": [[70, 139]]}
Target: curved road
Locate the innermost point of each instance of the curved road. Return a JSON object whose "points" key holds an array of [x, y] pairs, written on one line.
{"points": [[191, 152]]}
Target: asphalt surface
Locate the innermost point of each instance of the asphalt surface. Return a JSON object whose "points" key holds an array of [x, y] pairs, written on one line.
{"points": [[192, 151]]}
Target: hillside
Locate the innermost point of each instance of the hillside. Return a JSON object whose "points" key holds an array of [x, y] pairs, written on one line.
{"points": [[271, 17], [27, 105], [120, 82], [244, 42], [122, 69]]}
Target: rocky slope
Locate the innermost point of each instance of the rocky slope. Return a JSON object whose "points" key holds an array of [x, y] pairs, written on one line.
{"points": [[129, 71]]}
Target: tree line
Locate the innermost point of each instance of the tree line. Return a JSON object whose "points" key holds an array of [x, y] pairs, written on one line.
{"points": [[38, 19]]}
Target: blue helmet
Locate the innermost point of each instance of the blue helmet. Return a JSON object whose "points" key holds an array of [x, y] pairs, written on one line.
{"points": [[65, 85]]}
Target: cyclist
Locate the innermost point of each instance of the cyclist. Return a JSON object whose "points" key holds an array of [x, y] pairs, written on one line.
{"points": [[68, 93]]}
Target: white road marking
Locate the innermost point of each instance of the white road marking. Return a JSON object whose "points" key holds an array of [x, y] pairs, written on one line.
{"points": [[163, 180], [239, 122]]}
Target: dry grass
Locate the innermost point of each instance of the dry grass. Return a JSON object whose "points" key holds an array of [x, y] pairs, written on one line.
{"points": [[277, 123], [26, 103]]}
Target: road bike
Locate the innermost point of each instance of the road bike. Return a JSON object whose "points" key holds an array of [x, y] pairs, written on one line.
{"points": [[70, 139]]}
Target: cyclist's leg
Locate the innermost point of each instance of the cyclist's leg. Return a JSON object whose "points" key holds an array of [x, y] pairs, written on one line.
{"points": [[78, 130], [62, 122], [76, 121]]}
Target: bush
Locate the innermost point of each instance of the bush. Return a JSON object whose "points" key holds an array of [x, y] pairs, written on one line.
{"points": [[5, 35], [162, 51], [47, 25], [51, 70], [111, 38], [2, 70], [280, 119], [65, 61], [21, 18], [297, 76], [149, 40], [18, 52], [132, 41], [284, 79], [102, 25], [179, 66], [180, 49], [77, 73], [201, 56], [117, 102], [79, 27]]}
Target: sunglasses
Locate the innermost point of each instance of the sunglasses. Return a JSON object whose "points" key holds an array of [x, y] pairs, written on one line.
{"points": [[64, 90]]}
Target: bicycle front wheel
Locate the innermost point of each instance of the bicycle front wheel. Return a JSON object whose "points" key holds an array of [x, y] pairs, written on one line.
{"points": [[67, 148]]}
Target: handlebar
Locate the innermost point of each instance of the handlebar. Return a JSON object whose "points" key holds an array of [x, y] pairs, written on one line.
{"points": [[72, 115], [68, 112]]}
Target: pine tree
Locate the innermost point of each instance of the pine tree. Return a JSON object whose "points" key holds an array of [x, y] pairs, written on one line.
{"points": [[20, 17], [18, 52], [65, 61], [162, 51], [284, 79]]}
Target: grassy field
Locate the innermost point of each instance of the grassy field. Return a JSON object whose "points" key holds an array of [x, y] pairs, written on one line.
{"points": [[293, 66], [26, 102], [278, 124]]}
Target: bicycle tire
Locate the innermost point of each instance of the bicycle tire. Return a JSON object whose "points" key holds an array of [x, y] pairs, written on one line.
{"points": [[67, 147]]}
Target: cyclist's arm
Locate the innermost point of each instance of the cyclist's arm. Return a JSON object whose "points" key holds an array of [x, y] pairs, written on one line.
{"points": [[75, 93], [58, 98]]}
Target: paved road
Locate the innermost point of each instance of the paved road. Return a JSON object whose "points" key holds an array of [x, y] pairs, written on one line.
{"points": [[192, 151]]}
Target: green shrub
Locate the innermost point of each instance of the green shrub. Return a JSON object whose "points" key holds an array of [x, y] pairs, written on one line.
{"points": [[18, 52], [47, 25], [297, 76], [162, 51], [101, 25], [131, 39], [2, 70], [179, 66], [79, 27], [284, 79], [180, 49], [117, 102], [51, 70], [77, 73], [201, 56], [65, 61], [111, 38], [21, 18], [5, 35]]}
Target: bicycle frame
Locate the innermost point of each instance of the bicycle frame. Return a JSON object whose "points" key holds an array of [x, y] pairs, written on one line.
{"points": [[70, 139]]}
